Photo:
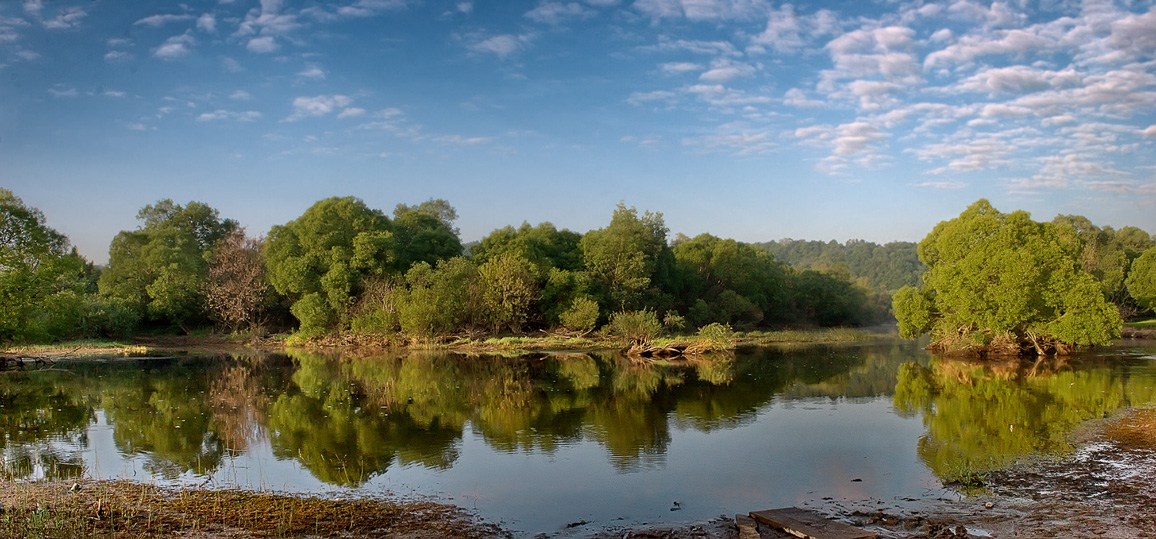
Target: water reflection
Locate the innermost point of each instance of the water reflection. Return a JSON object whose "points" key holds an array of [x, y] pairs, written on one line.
{"points": [[760, 428], [982, 416]]}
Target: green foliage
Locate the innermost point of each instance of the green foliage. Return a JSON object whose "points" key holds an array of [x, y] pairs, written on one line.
{"points": [[828, 300], [718, 334], [45, 287], [323, 257], [581, 315], [628, 257], [425, 233], [729, 282], [993, 275], [639, 327], [886, 267], [159, 267], [1142, 279], [509, 290], [913, 310], [673, 322], [440, 300]]}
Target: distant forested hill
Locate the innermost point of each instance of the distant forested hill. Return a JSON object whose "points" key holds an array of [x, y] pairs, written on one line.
{"points": [[878, 267]]}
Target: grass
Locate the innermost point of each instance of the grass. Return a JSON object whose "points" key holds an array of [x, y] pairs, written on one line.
{"points": [[1143, 324], [805, 336], [79, 348], [126, 509]]}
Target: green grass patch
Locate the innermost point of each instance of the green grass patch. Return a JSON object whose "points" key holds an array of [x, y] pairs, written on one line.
{"points": [[1143, 324], [805, 336]]}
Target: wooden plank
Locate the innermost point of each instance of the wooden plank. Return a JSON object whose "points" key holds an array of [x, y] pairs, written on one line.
{"points": [[747, 527], [809, 524]]}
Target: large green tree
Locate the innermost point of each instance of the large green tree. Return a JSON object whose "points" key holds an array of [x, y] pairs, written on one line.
{"points": [[42, 280], [628, 260], [1142, 279], [425, 233], [1002, 281], [321, 259], [158, 268]]}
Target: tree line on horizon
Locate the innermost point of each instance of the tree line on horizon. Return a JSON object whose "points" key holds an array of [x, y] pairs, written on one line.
{"points": [[343, 267]]}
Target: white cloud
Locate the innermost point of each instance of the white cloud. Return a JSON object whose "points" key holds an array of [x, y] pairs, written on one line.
{"points": [[681, 67], [240, 95], [968, 48], [157, 21], [949, 185], [312, 72], [502, 45], [459, 140], [63, 91], [27, 56], [117, 56], [221, 114], [549, 12], [638, 98], [1150, 132], [703, 10], [207, 22], [723, 70], [1019, 79], [710, 48], [797, 98], [175, 47], [231, 65], [351, 112], [262, 45], [67, 18], [321, 105]]}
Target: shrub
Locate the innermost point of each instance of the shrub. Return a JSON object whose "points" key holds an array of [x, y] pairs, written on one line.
{"points": [[581, 316], [638, 327], [716, 333], [674, 322]]}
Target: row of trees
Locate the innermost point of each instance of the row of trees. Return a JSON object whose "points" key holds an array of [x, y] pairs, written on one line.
{"points": [[1001, 282], [343, 266]]}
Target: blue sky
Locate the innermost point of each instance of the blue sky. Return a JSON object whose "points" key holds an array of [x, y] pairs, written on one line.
{"points": [[748, 119]]}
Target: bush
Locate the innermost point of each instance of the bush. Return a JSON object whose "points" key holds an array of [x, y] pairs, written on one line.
{"points": [[638, 327], [717, 334], [674, 322], [581, 316], [314, 313]]}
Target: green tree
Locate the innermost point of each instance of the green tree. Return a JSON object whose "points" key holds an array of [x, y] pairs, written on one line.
{"points": [[158, 268], [509, 290], [1003, 280], [44, 285], [321, 259], [425, 233], [628, 261], [441, 299], [729, 282], [1142, 279]]}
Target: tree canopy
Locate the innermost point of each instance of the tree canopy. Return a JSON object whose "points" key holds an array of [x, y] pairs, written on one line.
{"points": [[1002, 281], [158, 269]]}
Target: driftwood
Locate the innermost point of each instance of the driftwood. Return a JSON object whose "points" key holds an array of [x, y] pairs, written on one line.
{"points": [[669, 351]]}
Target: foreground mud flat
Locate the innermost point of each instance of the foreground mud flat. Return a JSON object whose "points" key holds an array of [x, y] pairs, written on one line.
{"points": [[1106, 489]]}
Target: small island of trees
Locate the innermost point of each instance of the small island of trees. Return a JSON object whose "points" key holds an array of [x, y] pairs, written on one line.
{"points": [[344, 269]]}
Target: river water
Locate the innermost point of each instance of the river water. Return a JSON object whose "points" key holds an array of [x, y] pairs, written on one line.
{"points": [[540, 442]]}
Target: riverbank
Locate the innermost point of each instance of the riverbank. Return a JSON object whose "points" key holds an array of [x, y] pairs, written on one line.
{"points": [[124, 509], [154, 345]]}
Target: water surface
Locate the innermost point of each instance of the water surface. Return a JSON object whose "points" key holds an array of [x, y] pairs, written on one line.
{"points": [[542, 441]]}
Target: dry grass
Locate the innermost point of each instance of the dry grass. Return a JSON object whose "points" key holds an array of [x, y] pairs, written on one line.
{"points": [[1135, 430], [125, 509]]}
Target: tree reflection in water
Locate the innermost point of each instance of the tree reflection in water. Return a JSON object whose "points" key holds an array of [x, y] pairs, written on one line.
{"points": [[981, 416]]}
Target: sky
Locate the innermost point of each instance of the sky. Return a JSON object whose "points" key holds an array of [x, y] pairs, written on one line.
{"points": [[747, 119]]}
